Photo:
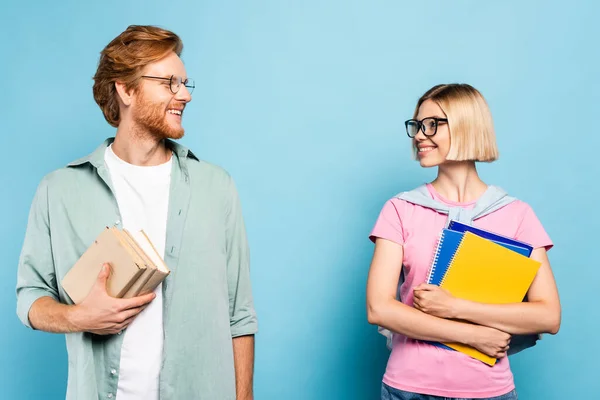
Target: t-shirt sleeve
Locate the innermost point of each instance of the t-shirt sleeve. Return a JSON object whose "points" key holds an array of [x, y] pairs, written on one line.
{"points": [[389, 224], [531, 231]]}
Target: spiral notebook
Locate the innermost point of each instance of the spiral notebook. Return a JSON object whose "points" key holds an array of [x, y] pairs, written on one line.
{"points": [[460, 227], [487, 272], [449, 241]]}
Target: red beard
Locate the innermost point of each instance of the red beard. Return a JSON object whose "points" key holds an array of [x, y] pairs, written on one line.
{"points": [[152, 118]]}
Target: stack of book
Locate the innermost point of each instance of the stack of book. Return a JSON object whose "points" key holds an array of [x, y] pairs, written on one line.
{"points": [[136, 267], [481, 266]]}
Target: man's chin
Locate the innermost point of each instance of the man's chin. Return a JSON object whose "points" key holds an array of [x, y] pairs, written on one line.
{"points": [[173, 134], [176, 135]]}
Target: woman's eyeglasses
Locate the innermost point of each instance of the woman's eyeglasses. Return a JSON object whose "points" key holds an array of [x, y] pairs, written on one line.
{"points": [[427, 125]]}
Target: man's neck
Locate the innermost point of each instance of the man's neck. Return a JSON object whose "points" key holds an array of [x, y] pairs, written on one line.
{"points": [[141, 150]]}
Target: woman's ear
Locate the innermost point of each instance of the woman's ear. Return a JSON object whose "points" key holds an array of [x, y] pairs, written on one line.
{"points": [[124, 94]]}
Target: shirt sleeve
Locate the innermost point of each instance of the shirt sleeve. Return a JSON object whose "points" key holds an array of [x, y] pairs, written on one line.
{"points": [[389, 223], [243, 320], [531, 231], [36, 276]]}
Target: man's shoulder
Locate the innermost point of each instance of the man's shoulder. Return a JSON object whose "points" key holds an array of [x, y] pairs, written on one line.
{"points": [[208, 170], [74, 174], [61, 176], [54, 183]]}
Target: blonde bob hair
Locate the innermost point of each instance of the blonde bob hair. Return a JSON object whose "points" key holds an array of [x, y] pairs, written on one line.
{"points": [[472, 136]]}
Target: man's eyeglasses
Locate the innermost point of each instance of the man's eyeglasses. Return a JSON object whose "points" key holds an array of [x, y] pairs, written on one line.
{"points": [[175, 82], [427, 125]]}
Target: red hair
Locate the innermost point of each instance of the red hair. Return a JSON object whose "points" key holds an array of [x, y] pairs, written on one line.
{"points": [[123, 60]]}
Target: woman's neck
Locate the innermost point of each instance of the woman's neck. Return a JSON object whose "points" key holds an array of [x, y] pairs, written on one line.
{"points": [[459, 182]]}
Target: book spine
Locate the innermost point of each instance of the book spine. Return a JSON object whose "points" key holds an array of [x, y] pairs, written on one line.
{"points": [[130, 283], [152, 283], [137, 287]]}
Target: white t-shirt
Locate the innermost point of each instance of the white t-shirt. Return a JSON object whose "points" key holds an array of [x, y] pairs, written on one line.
{"points": [[142, 195]]}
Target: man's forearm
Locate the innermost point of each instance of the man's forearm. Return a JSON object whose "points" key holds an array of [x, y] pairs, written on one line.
{"points": [[46, 314], [243, 357]]}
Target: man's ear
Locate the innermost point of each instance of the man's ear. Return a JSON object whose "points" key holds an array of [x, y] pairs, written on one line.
{"points": [[124, 94]]}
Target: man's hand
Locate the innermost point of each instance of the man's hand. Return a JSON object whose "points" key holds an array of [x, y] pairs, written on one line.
{"points": [[103, 314]]}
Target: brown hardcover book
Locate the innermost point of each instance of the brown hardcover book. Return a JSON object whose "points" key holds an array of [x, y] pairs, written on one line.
{"points": [[161, 271], [138, 285], [133, 271]]}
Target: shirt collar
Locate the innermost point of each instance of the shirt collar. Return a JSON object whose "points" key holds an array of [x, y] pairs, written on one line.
{"points": [[96, 158]]}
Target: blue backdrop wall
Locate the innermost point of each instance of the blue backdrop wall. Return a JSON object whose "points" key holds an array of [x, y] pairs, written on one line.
{"points": [[303, 102]]}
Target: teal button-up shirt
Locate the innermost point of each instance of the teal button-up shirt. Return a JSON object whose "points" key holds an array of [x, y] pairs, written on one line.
{"points": [[207, 297]]}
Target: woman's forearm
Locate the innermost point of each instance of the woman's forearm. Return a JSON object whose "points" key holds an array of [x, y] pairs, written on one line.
{"points": [[517, 319], [398, 317]]}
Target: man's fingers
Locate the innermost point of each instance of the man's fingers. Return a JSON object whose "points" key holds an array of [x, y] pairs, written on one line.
{"points": [[129, 313], [124, 324], [136, 302], [103, 275]]}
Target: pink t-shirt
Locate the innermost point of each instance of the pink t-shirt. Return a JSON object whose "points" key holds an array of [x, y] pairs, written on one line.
{"points": [[419, 367]]}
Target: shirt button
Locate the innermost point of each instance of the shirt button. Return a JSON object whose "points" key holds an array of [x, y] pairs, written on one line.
{"points": [[110, 396], [118, 333], [113, 371], [117, 222]]}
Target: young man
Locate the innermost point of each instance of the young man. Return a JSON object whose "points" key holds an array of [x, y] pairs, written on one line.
{"points": [[193, 338]]}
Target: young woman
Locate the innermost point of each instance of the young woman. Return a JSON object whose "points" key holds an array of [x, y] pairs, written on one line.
{"points": [[451, 129]]}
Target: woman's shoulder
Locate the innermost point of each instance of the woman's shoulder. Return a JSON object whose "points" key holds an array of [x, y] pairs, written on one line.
{"points": [[519, 218], [406, 211], [520, 208]]}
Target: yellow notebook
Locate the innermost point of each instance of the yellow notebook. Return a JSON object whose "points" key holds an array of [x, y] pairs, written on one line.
{"points": [[486, 272]]}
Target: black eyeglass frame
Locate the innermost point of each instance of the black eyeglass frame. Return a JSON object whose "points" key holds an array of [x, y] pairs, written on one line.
{"points": [[421, 125]]}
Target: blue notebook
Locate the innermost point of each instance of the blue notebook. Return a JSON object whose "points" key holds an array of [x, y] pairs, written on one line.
{"points": [[448, 244], [503, 240]]}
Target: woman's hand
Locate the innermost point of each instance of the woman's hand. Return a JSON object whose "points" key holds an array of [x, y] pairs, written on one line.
{"points": [[434, 300], [490, 341]]}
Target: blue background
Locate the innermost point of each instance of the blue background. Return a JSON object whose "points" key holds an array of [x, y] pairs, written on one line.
{"points": [[303, 103]]}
